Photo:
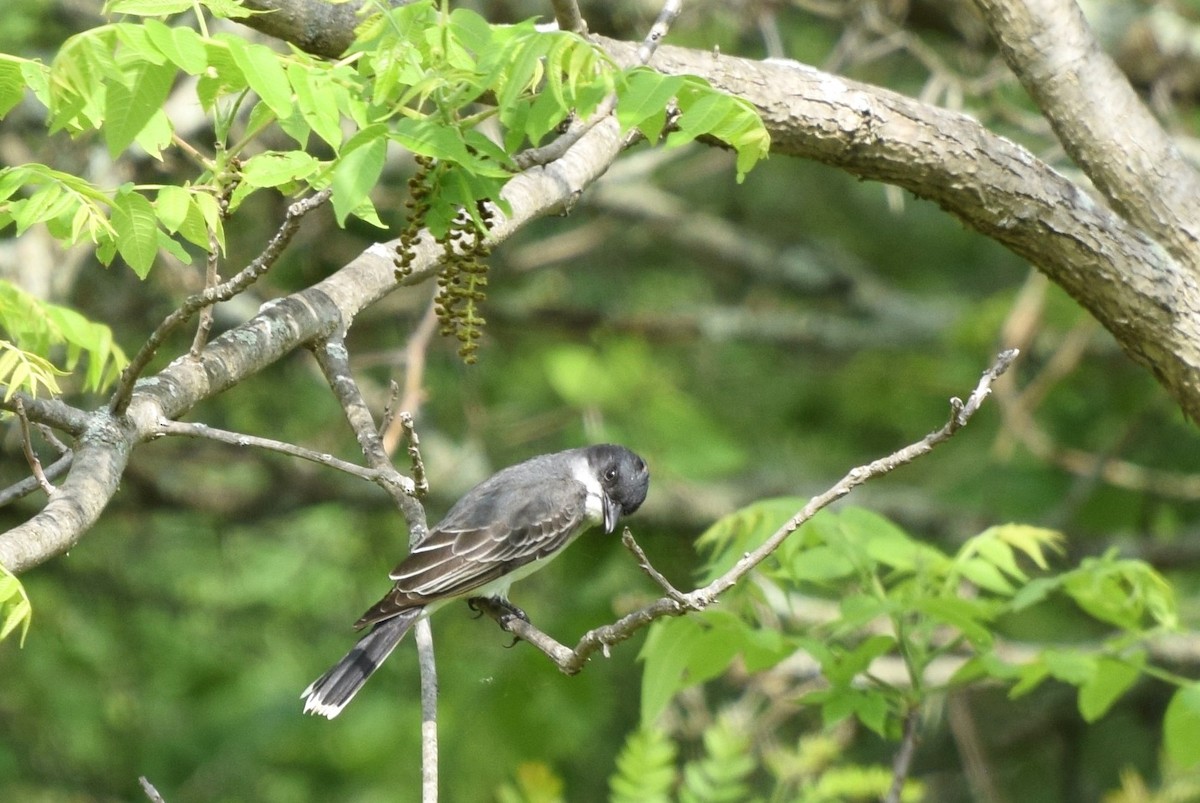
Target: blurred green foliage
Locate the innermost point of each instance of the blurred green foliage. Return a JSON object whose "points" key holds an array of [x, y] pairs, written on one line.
{"points": [[174, 640]]}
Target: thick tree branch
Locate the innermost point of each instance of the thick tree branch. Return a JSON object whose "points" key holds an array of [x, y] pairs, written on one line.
{"points": [[1099, 119], [96, 469], [1130, 283], [1146, 297]]}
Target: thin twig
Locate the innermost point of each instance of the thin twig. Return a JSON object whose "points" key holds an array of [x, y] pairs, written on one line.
{"points": [[415, 352], [51, 438], [35, 464], [655, 574], [423, 635], [150, 791], [420, 480], [904, 756], [334, 360], [19, 490], [566, 14], [390, 410], [214, 295], [659, 30], [571, 661], [211, 278], [188, 429]]}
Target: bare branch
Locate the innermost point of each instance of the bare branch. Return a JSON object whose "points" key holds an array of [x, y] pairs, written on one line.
{"points": [[35, 464], [214, 295], [211, 278], [659, 30], [334, 360], [151, 793], [654, 574], [571, 661], [904, 756], [98, 463], [19, 490], [194, 430], [566, 14]]}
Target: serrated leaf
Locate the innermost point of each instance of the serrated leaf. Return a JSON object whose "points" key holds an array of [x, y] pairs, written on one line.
{"points": [[180, 44], [317, 99], [357, 171], [12, 83], [646, 94], [264, 72], [137, 230], [130, 104]]}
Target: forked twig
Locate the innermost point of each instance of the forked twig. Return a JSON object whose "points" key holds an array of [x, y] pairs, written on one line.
{"points": [[214, 295], [571, 661]]}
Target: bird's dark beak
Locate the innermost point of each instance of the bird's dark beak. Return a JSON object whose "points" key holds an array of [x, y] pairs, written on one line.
{"points": [[612, 511]]}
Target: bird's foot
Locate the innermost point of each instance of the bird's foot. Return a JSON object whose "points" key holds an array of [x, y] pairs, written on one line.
{"points": [[503, 611]]}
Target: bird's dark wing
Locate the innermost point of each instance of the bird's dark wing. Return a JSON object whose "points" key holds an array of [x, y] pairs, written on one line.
{"points": [[484, 537]]}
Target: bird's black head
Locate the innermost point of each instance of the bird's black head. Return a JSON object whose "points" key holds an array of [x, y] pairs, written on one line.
{"points": [[623, 476]]}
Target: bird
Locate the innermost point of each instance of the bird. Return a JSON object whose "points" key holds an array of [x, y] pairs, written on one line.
{"points": [[500, 531]]}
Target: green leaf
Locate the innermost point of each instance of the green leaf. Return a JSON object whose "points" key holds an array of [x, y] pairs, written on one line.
{"points": [[16, 611], [1112, 678], [317, 97], [730, 536], [12, 82], [36, 326], [986, 576], [137, 230], [1070, 666], [172, 206], [1181, 728], [357, 171], [1129, 594], [263, 71], [969, 617], [131, 103], [180, 44], [644, 96], [645, 768], [273, 168], [682, 652], [821, 564]]}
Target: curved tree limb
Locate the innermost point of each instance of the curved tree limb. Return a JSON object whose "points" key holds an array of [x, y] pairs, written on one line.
{"points": [[1140, 284], [1099, 119]]}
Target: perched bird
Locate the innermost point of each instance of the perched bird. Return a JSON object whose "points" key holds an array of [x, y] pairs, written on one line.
{"points": [[503, 529]]}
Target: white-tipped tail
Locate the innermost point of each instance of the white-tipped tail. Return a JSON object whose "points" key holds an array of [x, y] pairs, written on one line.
{"points": [[329, 694]]}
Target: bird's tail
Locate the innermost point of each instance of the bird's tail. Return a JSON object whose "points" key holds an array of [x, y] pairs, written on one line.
{"points": [[329, 694]]}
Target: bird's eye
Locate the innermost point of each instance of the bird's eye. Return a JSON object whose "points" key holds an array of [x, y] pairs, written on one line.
{"points": [[610, 474]]}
